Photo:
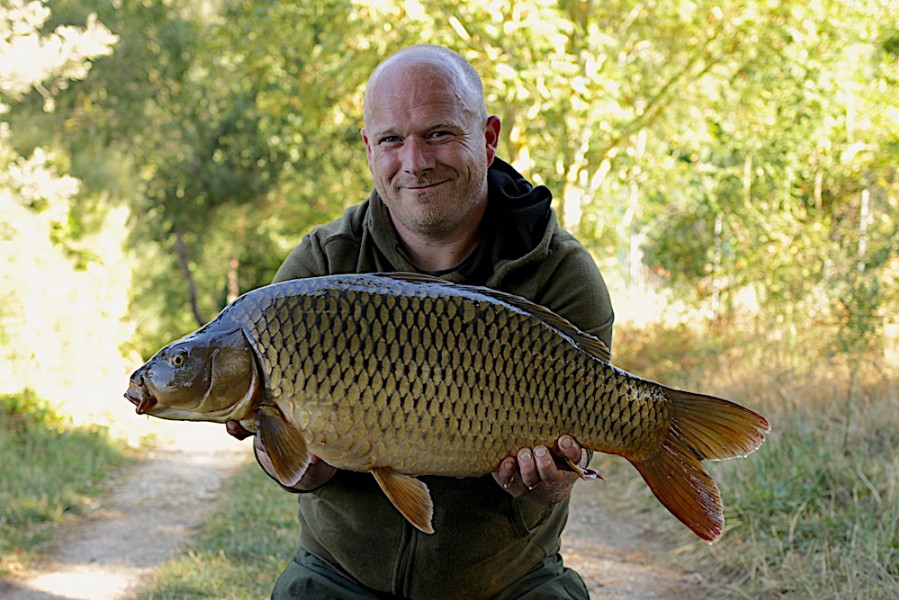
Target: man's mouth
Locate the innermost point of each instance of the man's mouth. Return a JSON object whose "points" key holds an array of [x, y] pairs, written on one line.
{"points": [[424, 186]]}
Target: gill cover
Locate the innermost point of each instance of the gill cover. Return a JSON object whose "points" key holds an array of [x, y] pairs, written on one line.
{"points": [[210, 375]]}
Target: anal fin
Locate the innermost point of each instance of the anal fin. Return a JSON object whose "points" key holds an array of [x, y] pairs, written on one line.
{"points": [[409, 495], [566, 464], [284, 445]]}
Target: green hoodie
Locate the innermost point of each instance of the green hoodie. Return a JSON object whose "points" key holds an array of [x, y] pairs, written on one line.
{"points": [[485, 539]]}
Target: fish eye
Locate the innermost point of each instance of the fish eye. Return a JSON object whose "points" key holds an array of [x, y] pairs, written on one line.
{"points": [[178, 359]]}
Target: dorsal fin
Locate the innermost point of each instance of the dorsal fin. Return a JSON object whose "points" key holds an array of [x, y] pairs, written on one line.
{"points": [[586, 342]]}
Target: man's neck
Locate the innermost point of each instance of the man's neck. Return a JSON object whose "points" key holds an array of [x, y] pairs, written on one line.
{"points": [[440, 253]]}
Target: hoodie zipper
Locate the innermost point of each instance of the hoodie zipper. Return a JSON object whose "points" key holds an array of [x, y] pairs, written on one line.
{"points": [[405, 560]]}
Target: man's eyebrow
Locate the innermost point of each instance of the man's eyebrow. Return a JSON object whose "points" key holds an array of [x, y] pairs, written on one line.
{"points": [[380, 132], [438, 126], [445, 125]]}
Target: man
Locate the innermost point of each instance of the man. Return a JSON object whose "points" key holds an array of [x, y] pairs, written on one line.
{"points": [[445, 205]]}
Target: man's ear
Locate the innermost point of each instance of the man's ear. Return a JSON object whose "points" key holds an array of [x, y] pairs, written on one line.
{"points": [[367, 144], [491, 137]]}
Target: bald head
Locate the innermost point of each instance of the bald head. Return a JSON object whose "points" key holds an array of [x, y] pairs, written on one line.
{"points": [[429, 144], [425, 60]]}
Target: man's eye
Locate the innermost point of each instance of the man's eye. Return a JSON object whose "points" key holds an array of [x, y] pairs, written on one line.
{"points": [[390, 139]]}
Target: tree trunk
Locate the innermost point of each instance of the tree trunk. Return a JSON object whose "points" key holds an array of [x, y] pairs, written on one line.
{"points": [[189, 277]]}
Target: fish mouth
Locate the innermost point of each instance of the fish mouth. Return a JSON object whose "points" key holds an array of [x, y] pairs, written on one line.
{"points": [[141, 398]]}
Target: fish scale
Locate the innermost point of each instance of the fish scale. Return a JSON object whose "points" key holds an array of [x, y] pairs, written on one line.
{"points": [[404, 375]]}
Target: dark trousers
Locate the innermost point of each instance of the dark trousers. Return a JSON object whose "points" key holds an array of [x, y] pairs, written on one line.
{"points": [[309, 577]]}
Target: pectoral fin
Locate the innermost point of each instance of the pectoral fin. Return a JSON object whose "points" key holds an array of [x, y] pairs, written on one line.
{"points": [[409, 495], [283, 444]]}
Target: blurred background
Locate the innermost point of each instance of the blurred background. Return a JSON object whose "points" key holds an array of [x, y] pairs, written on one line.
{"points": [[731, 165]]}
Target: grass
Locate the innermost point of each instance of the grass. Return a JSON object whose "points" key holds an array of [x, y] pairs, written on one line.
{"points": [[811, 518], [813, 513], [50, 472], [239, 551]]}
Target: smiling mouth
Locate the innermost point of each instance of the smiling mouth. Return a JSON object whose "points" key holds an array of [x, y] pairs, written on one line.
{"points": [[418, 188]]}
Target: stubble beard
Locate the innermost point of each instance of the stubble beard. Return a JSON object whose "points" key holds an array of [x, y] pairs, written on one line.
{"points": [[435, 216], [440, 212]]}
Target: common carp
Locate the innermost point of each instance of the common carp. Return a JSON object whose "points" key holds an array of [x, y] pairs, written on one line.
{"points": [[402, 375]]}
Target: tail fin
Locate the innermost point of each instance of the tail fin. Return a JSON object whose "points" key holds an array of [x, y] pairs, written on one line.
{"points": [[702, 428]]}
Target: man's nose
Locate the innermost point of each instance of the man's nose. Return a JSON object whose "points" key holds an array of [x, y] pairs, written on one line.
{"points": [[416, 156]]}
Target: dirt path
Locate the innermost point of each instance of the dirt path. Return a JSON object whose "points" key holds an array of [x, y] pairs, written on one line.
{"points": [[150, 513], [154, 509], [619, 559]]}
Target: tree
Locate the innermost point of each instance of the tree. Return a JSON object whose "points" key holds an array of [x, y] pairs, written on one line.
{"points": [[44, 259], [719, 147]]}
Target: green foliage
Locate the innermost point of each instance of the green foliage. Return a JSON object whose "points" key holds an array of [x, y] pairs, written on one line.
{"points": [[50, 472], [26, 409], [240, 550], [719, 147], [53, 246]]}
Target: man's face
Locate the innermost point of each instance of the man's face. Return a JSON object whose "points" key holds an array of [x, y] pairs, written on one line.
{"points": [[427, 151]]}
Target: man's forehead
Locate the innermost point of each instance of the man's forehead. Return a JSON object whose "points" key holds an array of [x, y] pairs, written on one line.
{"points": [[423, 75], [418, 103], [399, 113], [411, 77]]}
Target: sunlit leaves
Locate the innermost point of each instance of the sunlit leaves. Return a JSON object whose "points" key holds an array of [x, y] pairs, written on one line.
{"points": [[60, 293], [30, 58]]}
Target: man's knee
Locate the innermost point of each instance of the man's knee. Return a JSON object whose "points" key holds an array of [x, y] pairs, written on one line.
{"points": [[310, 578], [550, 580]]}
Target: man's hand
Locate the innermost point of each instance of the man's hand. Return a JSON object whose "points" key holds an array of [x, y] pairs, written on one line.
{"points": [[533, 473], [317, 474], [235, 429]]}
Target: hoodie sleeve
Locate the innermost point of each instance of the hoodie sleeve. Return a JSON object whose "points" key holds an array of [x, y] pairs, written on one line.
{"points": [[328, 249], [577, 291], [308, 259]]}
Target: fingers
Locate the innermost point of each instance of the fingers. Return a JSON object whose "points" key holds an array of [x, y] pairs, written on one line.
{"points": [[317, 475], [537, 466], [569, 448], [235, 429], [505, 474], [534, 471], [525, 471]]}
